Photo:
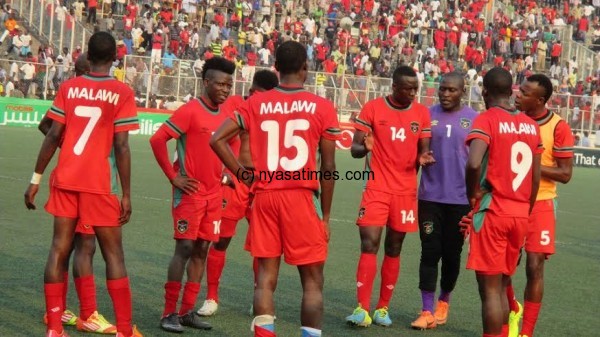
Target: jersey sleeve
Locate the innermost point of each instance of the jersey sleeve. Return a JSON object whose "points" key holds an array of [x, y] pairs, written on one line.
{"points": [[57, 110], [426, 124], [331, 125], [241, 115], [364, 121], [563, 141], [481, 130], [126, 118], [179, 123]]}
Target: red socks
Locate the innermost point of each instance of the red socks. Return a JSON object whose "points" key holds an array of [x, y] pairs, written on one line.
{"points": [[53, 292], [190, 294], [215, 263], [504, 330], [120, 293], [390, 269], [531, 311], [365, 275], [86, 291], [172, 289], [66, 283], [512, 301]]}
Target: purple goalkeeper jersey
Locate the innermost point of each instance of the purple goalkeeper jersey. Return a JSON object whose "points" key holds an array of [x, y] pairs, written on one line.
{"points": [[444, 181]]}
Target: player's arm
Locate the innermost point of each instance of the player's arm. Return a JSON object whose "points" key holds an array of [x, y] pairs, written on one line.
{"points": [[425, 154], [219, 142], [123, 161], [561, 173], [327, 149], [535, 184], [362, 143], [45, 124], [562, 151], [51, 142], [477, 150], [158, 142]]}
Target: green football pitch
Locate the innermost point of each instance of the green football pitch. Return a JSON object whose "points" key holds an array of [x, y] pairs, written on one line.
{"points": [[572, 275]]}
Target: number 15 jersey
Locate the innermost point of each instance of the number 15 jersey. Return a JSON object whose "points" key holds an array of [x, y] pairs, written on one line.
{"points": [[396, 132], [513, 139], [285, 126], [93, 108]]}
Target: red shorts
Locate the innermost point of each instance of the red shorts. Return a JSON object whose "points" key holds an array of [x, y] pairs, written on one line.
{"points": [[495, 248], [89, 208], [236, 205], [288, 222], [541, 229], [379, 208], [197, 219]]}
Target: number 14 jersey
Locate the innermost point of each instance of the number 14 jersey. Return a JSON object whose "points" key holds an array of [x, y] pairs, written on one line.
{"points": [[93, 108], [285, 126]]}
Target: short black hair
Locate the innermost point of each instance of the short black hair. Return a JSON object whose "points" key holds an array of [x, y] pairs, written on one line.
{"points": [[455, 75], [218, 64], [102, 48], [498, 81], [402, 71], [544, 82], [265, 79], [290, 57]]}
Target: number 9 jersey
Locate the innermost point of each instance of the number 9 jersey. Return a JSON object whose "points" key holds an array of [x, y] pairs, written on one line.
{"points": [[285, 126], [93, 108], [513, 139]]}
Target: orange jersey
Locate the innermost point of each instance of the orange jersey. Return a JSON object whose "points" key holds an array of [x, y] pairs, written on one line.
{"points": [[513, 139], [558, 143], [192, 125], [93, 108], [396, 135], [285, 126]]}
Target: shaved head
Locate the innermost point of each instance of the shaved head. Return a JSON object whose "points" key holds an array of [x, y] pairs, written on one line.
{"points": [[82, 65], [454, 77]]}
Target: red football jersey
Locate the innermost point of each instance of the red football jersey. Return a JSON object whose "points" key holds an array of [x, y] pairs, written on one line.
{"points": [[285, 126], [229, 107], [192, 125], [396, 133], [93, 108], [513, 139]]}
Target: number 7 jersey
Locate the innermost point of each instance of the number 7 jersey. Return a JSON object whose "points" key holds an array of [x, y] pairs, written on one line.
{"points": [[93, 108], [506, 171], [285, 126]]}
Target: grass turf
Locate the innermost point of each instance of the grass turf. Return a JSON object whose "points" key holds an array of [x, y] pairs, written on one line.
{"points": [[571, 275]]}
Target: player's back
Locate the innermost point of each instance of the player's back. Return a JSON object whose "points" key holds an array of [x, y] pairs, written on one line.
{"points": [[285, 127], [93, 108], [229, 107], [514, 139]]}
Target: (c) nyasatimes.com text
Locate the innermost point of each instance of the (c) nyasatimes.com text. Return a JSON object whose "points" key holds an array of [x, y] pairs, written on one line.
{"points": [[303, 174]]}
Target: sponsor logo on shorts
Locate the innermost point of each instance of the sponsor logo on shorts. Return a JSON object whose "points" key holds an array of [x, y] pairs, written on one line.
{"points": [[465, 123], [428, 227], [414, 127], [224, 203], [361, 212], [182, 226]]}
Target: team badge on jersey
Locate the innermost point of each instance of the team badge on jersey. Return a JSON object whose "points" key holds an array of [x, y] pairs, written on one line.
{"points": [[428, 227], [465, 123], [182, 226], [414, 127], [224, 203], [434, 122], [361, 213]]}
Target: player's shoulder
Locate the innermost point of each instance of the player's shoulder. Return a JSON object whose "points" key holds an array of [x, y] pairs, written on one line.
{"points": [[418, 107], [469, 112]]}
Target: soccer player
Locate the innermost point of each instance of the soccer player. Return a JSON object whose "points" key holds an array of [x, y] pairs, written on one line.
{"points": [[288, 128], [443, 200], [94, 113], [502, 177], [197, 190], [396, 130], [236, 201], [557, 166], [84, 245]]}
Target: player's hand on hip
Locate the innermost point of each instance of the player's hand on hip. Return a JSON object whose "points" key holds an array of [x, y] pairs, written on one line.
{"points": [[369, 141], [125, 210], [466, 224], [228, 181], [186, 184], [426, 159], [30, 195]]}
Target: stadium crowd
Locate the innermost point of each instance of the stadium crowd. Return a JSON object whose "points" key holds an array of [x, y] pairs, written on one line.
{"points": [[359, 38]]}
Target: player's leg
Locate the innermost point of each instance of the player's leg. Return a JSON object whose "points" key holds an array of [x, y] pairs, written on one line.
{"points": [[372, 217], [492, 299], [183, 252], [68, 317], [195, 271], [534, 291], [430, 233], [311, 315], [264, 305], [452, 245]]}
